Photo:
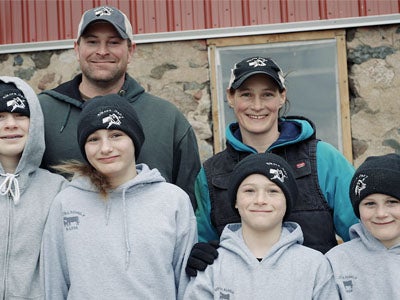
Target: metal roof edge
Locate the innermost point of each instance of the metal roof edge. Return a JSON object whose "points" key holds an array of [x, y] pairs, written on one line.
{"points": [[220, 32]]}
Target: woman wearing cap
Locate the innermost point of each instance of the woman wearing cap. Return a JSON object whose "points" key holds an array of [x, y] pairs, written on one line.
{"points": [[119, 230], [257, 94], [368, 266], [262, 257]]}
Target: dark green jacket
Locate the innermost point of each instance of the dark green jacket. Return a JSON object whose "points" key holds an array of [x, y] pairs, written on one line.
{"points": [[170, 143]]}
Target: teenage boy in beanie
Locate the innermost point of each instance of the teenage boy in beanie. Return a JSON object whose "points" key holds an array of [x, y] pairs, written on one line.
{"points": [[104, 47], [26, 191], [263, 257], [119, 230], [368, 266]]}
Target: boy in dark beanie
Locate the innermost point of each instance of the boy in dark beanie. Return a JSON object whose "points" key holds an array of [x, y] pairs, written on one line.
{"points": [[375, 242], [262, 257]]}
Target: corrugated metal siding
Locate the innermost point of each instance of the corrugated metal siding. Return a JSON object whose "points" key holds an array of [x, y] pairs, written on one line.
{"points": [[46, 20]]}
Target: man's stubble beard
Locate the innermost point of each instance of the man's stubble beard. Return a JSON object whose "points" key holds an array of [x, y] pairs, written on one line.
{"points": [[103, 81]]}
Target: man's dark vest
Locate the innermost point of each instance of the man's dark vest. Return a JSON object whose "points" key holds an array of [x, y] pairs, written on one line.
{"points": [[311, 211]]}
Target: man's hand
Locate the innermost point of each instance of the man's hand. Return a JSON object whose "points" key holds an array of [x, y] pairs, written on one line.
{"points": [[202, 255]]}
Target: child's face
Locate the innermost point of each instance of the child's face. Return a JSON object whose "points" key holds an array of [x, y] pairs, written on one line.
{"points": [[380, 214], [14, 129], [261, 203], [112, 153]]}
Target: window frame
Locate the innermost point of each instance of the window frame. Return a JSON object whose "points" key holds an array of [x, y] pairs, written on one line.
{"points": [[338, 35]]}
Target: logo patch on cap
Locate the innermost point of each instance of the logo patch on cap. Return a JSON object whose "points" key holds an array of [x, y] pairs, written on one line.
{"points": [[278, 174], [360, 185], [103, 11], [111, 117], [16, 103], [257, 62], [277, 171]]}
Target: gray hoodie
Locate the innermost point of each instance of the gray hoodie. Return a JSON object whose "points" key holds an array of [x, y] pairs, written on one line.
{"points": [[289, 271], [134, 245], [25, 199], [364, 268]]}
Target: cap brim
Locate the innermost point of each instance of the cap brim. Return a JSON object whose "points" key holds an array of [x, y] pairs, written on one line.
{"points": [[239, 82]]}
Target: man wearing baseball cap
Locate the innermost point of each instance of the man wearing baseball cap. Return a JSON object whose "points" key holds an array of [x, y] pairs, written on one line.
{"points": [[104, 47]]}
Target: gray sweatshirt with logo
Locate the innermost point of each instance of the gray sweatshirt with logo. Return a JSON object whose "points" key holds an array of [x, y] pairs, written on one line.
{"points": [[289, 271], [134, 245], [25, 199], [364, 268]]}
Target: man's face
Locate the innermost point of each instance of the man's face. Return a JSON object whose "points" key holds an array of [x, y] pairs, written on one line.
{"points": [[102, 54]]}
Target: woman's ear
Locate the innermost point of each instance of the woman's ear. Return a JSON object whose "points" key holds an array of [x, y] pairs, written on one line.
{"points": [[283, 98], [230, 97]]}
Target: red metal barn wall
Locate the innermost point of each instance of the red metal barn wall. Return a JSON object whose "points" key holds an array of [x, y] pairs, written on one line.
{"points": [[23, 21]]}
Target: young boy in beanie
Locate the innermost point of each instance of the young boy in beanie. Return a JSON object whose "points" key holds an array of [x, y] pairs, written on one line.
{"points": [[26, 191], [119, 230], [263, 257], [368, 266]]}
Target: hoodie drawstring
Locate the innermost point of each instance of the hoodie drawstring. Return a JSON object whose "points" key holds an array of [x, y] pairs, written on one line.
{"points": [[126, 232], [108, 211], [66, 118], [126, 228], [10, 185]]}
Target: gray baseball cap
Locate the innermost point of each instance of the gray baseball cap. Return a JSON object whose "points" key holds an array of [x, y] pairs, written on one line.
{"points": [[108, 14]]}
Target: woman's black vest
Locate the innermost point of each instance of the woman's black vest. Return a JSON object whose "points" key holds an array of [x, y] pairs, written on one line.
{"points": [[311, 211]]}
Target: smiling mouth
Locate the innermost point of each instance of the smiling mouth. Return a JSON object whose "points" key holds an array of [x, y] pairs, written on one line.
{"points": [[385, 223], [103, 62], [107, 159], [257, 117], [11, 137]]}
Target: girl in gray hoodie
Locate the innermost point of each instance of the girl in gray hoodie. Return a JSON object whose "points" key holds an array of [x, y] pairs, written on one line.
{"points": [[263, 257], [119, 230], [26, 191], [368, 266]]}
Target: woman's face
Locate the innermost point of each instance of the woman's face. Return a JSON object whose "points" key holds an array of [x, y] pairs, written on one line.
{"points": [[112, 153], [256, 105]]}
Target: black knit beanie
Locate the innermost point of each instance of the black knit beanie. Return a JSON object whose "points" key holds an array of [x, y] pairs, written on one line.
{"points": [[377, 174], [109, 112], [12, 99], [274, 167]]}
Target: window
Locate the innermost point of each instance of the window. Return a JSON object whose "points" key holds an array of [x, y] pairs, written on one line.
{"points": [[316, 79]]}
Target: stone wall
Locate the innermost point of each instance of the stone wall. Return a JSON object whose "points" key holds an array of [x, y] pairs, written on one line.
{"points": [[374, 77], [179, 72]]}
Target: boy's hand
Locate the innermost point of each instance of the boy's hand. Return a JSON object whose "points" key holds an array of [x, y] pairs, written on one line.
{"points": [[202, 255]]}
